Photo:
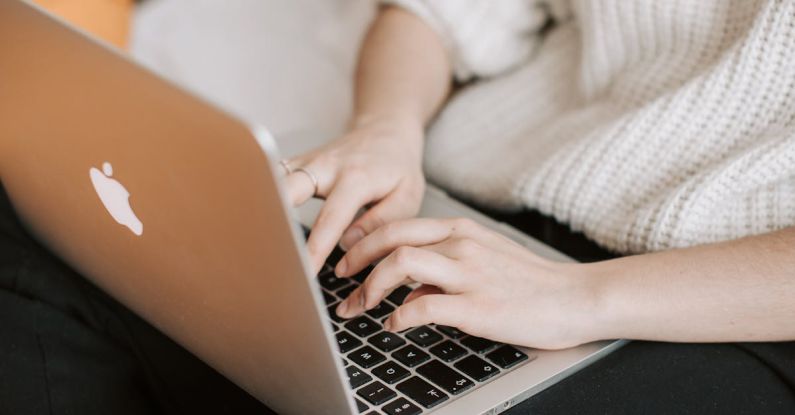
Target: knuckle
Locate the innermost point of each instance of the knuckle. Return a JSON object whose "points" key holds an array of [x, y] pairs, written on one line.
{"points": [[374, 221], [399, 315], [332, 157], [464, 225], [355, 173], [403, 255], [466, 246], [389, 232], [425, 307], [326, 215]]}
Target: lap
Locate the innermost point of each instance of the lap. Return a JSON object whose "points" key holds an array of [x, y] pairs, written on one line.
{"points": [[66, 347], [663, 378]]}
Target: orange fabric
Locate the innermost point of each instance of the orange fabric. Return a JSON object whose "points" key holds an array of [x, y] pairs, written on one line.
{"points": [[107, 19]]}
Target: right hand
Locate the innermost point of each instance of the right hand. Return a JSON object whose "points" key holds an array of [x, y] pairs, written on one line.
{"points": [[376, 164]]}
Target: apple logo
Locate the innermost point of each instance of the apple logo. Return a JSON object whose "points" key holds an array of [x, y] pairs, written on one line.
{"points": [[115, 198]]}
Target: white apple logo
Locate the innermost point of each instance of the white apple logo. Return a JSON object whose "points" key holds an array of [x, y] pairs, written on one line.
{"points": [[115, 198]]}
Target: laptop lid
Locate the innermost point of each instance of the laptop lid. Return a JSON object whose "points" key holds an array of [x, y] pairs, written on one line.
{"points": [[166, 203]]}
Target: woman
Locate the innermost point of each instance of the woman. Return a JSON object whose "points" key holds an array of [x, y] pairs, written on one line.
{"points": [[688, 166], [702, 92], [661, 130]]}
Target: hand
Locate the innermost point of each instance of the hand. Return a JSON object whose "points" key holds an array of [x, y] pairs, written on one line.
{"points": [[377, 164], [473, 279]]}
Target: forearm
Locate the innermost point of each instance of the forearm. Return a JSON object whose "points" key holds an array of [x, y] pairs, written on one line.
{"points": [[741, 290], [403, 73]]}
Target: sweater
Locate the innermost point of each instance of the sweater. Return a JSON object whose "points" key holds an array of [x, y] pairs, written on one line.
{"points": [[646, 125]]}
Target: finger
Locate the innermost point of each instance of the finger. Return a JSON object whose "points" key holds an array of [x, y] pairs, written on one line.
{"points": [[423, 289], [443, 309], [344, 200], [301, 187], [404, 265], [411, 232], [399, 204], [353, 305]]}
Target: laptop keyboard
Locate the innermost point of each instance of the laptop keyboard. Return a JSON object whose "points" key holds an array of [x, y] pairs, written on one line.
{"points": [[410, 372]]}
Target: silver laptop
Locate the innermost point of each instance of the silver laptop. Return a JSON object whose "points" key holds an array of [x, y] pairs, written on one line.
{"points": [[177, 209]]}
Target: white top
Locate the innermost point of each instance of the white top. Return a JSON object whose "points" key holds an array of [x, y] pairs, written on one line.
{"points": [[646, 124]]}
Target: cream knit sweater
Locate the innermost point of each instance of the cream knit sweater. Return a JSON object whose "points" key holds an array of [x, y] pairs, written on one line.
{"points": [[646, 124]]}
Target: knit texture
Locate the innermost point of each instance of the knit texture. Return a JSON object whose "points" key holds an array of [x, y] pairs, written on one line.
{"points": [[645, 124]]}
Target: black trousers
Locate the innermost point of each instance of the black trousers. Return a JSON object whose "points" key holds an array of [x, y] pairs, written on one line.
{"points": [[67, 348]]}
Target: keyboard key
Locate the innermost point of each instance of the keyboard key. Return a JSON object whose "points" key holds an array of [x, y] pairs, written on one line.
{"points": [[397, 296], [345, 292], [347, 342], [401, 406], [362, 326], [376, 393], [411, 356], [506, 356], [422, 392], [449, 379], [328, 298], [330, 281], [356, 377], [386, 341], [335, 256], [366, 357], [448, 351], [362, 275], [361, 406], [451, 332], [476, 368], [424, 336], [332, 312], [391, 372], [380, 310], [478, 344]]}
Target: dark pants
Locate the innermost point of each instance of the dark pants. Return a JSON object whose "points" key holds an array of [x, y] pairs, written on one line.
{"points": [[67, 348]]}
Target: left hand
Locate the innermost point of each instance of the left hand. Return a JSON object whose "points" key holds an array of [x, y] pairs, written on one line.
{"points": [[473, 279]]}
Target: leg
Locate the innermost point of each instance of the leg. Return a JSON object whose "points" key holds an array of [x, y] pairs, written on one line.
{"points": [[66, 347], [662, 378]]}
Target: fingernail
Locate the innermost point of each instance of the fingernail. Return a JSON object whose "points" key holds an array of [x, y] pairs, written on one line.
{"points": [[388, 325], [350, 238], [362, 301], [342, 267], [342, 309]]}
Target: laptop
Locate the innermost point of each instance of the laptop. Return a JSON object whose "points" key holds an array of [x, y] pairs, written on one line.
{"points": [[177, 209]]}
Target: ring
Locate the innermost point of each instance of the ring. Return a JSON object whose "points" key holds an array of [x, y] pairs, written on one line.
{"points": [[312, 177], [286, 165]]}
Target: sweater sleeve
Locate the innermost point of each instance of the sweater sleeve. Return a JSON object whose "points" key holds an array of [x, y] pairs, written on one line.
{"points": [[482, 38]]}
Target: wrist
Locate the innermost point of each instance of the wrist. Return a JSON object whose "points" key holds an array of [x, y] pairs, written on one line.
{"points": [[596, 310], [613, 310], [395, 121]]}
